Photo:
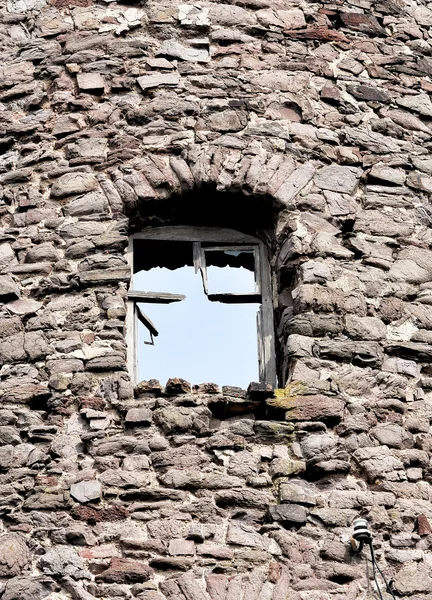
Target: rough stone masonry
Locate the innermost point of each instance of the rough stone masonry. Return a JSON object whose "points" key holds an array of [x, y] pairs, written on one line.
{"points": [[320, 111]]}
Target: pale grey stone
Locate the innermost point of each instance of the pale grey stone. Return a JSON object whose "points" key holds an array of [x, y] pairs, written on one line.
{"points": [[231, 15], [27, 588], [338, 179], [294, 514], [180, 547], [375, 142], [160, 79], [88, 148], [289, 189], [378, 463], [92, 83], [86, 491], [392, 435], [175, 49], [419, 181], [9, 290], [52, 22], [7, 255], [420, 103], [24, 306], [227, 120], [245, 535], [189, 479], [63, 561], [136, 416], [365, 328], [380, 171], [413, 578], [91, 203]]}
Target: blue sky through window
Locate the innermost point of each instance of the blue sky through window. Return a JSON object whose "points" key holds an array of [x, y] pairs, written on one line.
{"points": [[199, 340]]}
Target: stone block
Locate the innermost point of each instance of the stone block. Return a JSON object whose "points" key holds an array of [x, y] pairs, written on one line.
{"points": [[138, 416], [124, 570], [73, 183], [293, 493], [413, 578], [175, 49], [393, 435], [310, 408], [86, 491], [91, 83], [9, 290], [147, 82], [338, 179], [294, 514], [179, 547]]}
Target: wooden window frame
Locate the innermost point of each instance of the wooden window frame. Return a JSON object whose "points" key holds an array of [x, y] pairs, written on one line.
{"points": [[220, 238]]}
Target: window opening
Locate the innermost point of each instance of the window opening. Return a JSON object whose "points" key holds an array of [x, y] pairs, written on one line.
{"points": [[195, 306], [223, 263]]}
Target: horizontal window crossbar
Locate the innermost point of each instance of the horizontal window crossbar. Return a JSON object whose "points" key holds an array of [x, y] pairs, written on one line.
{"points": [[235, 298], [155, 297]]}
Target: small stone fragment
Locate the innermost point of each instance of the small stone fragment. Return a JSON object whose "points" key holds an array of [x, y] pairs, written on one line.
{"points": [[423, 525]]}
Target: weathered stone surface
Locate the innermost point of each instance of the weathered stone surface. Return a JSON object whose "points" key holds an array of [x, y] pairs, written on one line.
{"points": [[14, 554], [305, 125], [181, 547], [288, 513], [63, 561], [378, 462], [248, 498], [151, 81], [8, 288], [337, 179], [392, 435], [365, 328], [413, 579], [89, 204], [85, 491], [26, 588], [139, 416], [73, 183], [175, 49], [419, 103], [123, 570], [294, 493], [92, 83], [195, 479], [245, 535], [314, 408], [293, 184]]}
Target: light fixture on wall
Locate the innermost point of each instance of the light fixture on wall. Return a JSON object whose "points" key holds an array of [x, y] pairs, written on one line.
{"points": [[362, 536]]}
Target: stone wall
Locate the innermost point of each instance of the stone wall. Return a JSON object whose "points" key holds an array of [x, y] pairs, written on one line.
{"points": [[110, 115]]}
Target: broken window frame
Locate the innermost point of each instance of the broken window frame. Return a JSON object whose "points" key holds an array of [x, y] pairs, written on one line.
{"points": [[214, 239]]}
